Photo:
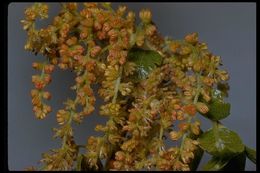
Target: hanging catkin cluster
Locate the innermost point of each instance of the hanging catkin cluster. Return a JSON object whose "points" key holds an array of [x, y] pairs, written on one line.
{"points": [[153, 88]]}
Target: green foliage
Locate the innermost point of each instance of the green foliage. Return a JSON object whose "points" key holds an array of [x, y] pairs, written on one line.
{"points": [[251, 154], [223, 87], [221, 142], [144, 97], [146, 61], [215, 164], [198, 153], [236, 163], [218, 110]]}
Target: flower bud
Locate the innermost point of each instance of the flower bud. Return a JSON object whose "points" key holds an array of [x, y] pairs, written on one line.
{"points": [[47, 108], [140, 39], [36, 65], [145, 15], [180, 113], [190, 109], [62, 116], [39, 85], [174, 47], [71, 41], [120, 155], [180, 117], [197, 66], [223, 75], [88, 22], [122, 60], [113, 34], [185, 50], [192, 38], [130, 15], [47, 78], [174, 115], [202, 107], [195, 142], [101, 35], [97, 25], [114, 108], [91, 140], [205, 95], [30, 14], [95, 51], [77, 118], [187, 156], [100, 128], [117, 165], [216, 59], [49, 68], [90, 4], [72, 6], [86, 13], [150, 30], [46, 95], [208, 81], [176, 106], [184, 126], [187, 93], [83, 34], [79, 80], [174, 135], [106, 27], [35, 78], [34, 92], [195, 128], [132, 117], [121, 9], [36, 101], [40, 115]]}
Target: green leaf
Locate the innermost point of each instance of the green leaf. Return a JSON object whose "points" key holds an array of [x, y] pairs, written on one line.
{"points": [[146, 61], [218, 110], [215, 164], [234, 163], [237, 163], [251, 154], [197, 158], [221, 142], [223, 87]]}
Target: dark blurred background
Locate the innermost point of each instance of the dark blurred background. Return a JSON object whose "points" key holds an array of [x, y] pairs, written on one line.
{"points": [[228, 28]]}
